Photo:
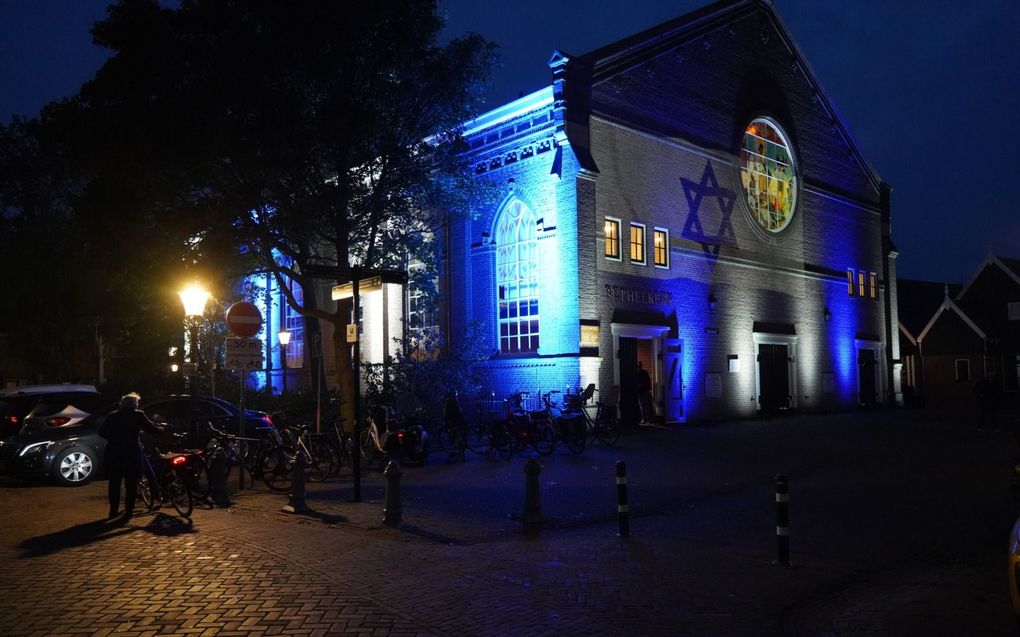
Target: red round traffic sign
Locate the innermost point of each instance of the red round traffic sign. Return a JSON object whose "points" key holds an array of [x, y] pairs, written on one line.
{"points": [[244, 319]]}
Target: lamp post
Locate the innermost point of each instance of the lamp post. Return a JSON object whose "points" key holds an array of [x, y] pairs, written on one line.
{"points": [[284, 336], [194, 298]]}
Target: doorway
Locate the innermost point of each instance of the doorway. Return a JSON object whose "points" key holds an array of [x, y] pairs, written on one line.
{"points": [[776, 372]]}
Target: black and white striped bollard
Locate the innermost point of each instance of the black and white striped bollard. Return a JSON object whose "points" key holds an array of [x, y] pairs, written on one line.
{"points": [[621, 498], [782, 520]]}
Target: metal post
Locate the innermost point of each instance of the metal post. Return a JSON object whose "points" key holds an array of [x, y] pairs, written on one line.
{"points": [[218, 477], [356, 365], [621, 498], [193, 338], [283, 365], [392, 509], [782, 520], [240, 429], [296, 502], [532, 517]]}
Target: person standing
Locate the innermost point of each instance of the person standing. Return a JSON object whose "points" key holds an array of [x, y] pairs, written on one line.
{"points": [[123, 457], [644, 387]]}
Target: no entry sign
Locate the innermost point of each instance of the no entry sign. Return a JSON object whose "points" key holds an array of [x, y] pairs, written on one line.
{"points": [[244, 319]]}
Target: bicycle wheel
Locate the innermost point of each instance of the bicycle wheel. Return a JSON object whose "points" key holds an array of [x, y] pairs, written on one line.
{"points": [[501, 440], [479, 439], [275, 469], [574, 435], [177, 491], [320, 464], [544, 437], [145, 491], [608, 427], [369, 451], [451, 439], [198, 478]]}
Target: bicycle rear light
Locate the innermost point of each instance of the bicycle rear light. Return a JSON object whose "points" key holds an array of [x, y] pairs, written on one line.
{"points": [[178, 460]]}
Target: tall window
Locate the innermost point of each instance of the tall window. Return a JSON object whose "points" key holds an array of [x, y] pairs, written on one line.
{"points": [[660, 247], [612, 232], [295, 324], [637, 243], [860, 284], [851, 287], [872, 285], [517, 279]]}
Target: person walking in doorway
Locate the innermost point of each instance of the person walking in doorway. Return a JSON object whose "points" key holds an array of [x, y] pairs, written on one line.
{"points": [[123, 458], [644, 387]]}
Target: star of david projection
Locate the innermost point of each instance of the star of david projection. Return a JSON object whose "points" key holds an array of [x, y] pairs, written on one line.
{"points": [[696, 193]]}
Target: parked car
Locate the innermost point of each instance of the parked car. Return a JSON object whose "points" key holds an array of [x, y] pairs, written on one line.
{"points": [[223, 414], [56, 445], [65, 404]]}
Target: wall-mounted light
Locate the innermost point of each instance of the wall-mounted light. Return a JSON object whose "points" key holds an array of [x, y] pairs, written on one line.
{"points": [[174, 368], [827, 314], [712, 302]]}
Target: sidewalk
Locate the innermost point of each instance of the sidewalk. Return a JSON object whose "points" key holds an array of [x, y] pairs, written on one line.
{"points": [[698, 562]]}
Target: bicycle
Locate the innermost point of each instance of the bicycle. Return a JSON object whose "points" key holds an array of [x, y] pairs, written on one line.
{"points": [[529, 427], [168, 484], [568, 424], [275, 464], [603, 426]]}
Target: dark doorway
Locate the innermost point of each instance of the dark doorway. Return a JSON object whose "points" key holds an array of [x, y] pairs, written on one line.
{"points": [[774, 378], [630, 409], [866, 376]]}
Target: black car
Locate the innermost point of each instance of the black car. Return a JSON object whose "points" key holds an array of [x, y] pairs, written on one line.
{"points": [[223, 414], [68, 450], [65, 404]]}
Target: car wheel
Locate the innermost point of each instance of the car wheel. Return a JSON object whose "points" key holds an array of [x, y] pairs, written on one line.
{"points": [[74, 466]]}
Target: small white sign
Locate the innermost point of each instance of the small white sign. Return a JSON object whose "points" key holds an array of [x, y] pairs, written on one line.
{"points": [[244, 354], [352, 333]]}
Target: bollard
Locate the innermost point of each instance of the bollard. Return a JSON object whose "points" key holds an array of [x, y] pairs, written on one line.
{"points": [[218, 479], [296, 502], [532, 517], [782, 520], [392, 510], [621, 498]]}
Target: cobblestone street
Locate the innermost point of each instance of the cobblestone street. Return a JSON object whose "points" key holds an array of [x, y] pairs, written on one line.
{"points": [[899, 524]]}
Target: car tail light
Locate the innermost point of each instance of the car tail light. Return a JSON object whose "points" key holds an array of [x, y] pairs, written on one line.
{"points": [[58, 421], [178, 460], [267, 420], [10, 420]]}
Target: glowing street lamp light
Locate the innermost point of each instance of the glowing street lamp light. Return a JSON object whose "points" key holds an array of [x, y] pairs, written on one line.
{"points": [[284, 337], [194, 298]]}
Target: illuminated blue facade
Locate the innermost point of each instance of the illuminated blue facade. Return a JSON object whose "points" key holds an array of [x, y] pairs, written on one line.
{"points": [[698, 207]]}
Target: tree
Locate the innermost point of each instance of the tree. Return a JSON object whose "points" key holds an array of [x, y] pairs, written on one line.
{"points": [[289, 137]]}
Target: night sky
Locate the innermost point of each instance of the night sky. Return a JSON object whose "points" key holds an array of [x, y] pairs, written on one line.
{"points": [[928, 87]]}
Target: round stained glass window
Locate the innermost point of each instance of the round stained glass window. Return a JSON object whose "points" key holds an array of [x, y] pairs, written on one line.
{"points": [[768, 175]]}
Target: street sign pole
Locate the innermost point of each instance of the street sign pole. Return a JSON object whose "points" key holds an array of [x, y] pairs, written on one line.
{"points": [[356, 276]]}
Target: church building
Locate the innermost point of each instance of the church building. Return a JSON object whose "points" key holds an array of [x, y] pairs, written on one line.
{"points": [[688, 201]]}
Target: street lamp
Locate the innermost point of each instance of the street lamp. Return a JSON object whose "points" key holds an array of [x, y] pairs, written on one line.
{"points": [[194, 298], [284, 336]]}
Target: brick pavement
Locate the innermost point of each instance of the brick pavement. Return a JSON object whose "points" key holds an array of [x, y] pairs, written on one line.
{"points": [[461, 567]]}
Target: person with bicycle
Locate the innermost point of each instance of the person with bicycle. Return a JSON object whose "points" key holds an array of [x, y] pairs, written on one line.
{"points": [[123, 456]]}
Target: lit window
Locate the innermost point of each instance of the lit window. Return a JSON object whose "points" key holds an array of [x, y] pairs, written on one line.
{"points": [[295, 324], [962, 370], [860, 284], [517, 279], [660, 247], [851, 286], [421, 309], [612, 231], [768, 175], [637, 243], [872, 286]]}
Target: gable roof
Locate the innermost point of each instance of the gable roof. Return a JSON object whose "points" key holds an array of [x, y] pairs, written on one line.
{"points": [[622, 55], [1010, 266], [949, 306], [917, 301]]}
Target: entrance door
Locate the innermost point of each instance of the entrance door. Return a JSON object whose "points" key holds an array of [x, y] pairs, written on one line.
{"points": [[630, 409], [672, 374], [774, 375], [866, 376]]}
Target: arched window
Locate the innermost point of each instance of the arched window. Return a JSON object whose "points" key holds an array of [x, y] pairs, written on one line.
{"points": [[769, 175], [517, 279]]}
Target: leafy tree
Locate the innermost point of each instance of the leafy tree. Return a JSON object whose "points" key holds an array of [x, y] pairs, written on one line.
{"points": [[295, 138]]}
